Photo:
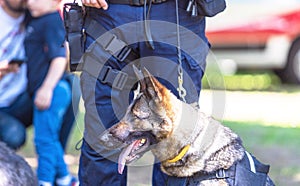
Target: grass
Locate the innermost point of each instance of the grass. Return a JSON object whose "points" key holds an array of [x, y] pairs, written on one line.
{"points": [[277, 146], [257, 133], [246, 81]]}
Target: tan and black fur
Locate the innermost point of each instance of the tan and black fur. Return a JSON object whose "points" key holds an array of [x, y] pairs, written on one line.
{"points": [[157, 120]]}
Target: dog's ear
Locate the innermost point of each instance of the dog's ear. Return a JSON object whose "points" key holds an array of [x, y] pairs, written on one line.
{"points": [[153, 86], [140, 77], [149, 85]]}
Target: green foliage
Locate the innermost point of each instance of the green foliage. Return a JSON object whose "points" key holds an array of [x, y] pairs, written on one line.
{"points": [[256, 133], [241, 81]]}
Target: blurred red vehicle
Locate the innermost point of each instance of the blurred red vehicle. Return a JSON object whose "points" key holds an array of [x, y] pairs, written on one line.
{"points": [[259, 35]]}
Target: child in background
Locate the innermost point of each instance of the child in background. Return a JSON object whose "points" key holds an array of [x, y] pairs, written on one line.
{"points": [[46, 61]]}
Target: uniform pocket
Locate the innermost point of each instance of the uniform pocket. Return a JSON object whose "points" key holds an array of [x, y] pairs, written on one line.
{"points": [[195, 62], [210, 7]]}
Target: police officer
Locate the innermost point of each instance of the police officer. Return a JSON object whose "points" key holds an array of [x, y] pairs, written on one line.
{"points": [[165, 36]]}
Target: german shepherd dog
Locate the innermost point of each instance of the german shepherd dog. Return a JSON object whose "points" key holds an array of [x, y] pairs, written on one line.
{"points": [[14, 170], [189, 144]]}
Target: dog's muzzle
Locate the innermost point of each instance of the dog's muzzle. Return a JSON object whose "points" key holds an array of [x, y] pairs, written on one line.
{"points": [[134, 145]]}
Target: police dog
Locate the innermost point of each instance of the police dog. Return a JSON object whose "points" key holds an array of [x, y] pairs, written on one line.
{"points": [[14, 170], [189, 144]]}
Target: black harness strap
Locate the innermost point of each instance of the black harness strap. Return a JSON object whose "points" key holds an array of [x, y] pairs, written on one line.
{"points": [[115, 47], [237, 174], [114, 78], [200, 176], [219, 174]]}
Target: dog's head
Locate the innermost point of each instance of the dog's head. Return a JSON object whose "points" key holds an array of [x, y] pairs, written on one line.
{"points": [[148, 120]]}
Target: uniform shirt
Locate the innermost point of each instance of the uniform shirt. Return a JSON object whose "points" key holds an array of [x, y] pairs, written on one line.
{"points": [[43, 42]]}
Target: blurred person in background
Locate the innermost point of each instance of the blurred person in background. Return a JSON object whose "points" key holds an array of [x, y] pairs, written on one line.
{"points": [[15, 102], [48, 88], [6, 68]]}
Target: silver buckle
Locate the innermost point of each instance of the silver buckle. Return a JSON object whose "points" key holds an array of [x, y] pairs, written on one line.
{"points": [[220, 174]]}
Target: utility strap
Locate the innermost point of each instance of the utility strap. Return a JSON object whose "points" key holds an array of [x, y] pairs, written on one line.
{"points": [[116, 47], [201, 176], [114, 78], [218, 174]]}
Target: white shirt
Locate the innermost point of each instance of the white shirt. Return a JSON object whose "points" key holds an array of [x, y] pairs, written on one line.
{"points": [[11, 46]]}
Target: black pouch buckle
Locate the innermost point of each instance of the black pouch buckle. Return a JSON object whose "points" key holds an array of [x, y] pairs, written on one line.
{"points": [[103, 74], [122, 55], [117, 48], [120, 80], [116, 79]]}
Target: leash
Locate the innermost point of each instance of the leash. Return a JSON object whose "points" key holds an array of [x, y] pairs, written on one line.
{"points": [[181, 90]]}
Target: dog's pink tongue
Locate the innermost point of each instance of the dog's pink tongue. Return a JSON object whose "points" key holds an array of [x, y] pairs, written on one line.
{"points": [[123, 156]]}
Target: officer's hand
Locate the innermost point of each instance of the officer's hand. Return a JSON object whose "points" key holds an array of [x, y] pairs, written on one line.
{"points": [[95, 3]]}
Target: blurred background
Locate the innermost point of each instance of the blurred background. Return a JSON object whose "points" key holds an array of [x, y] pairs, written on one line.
{"points": [[251, 85], [253, 77]]}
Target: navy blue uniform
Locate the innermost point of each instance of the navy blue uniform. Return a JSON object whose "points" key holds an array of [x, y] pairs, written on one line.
{"points": [[105, 106]]}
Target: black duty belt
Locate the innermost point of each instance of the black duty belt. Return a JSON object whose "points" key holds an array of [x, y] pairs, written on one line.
{"points": [[135, 2]]}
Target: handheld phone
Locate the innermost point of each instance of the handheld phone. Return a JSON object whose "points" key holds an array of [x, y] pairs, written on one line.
{"points": [[19, 62]]}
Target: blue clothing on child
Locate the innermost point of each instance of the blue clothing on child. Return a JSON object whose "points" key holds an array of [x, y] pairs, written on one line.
{"points": [[43, 42], [47, 124]]}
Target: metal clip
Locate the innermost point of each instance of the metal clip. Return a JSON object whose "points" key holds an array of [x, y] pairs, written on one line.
{"points": [[220, 174], [194, 10], [189, 6], [181, 90]]}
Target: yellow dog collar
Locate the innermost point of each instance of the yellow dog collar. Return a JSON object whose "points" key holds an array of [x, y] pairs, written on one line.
{"points": [[180, 155]]}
